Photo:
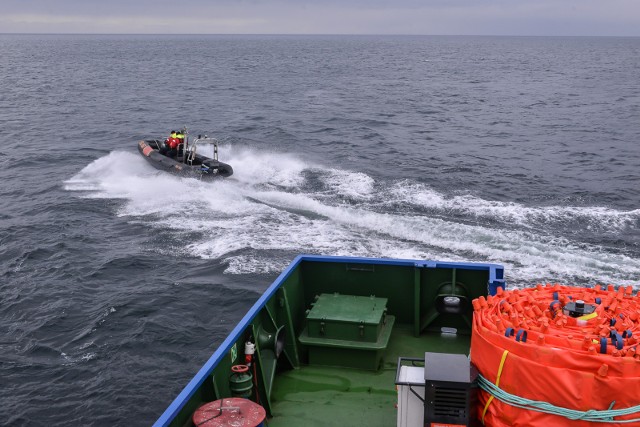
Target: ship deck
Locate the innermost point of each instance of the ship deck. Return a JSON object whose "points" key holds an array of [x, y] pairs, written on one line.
{"points": [[327, 396]]}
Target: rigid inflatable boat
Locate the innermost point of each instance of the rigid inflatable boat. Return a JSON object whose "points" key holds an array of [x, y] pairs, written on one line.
{"points": [[187, 162]]}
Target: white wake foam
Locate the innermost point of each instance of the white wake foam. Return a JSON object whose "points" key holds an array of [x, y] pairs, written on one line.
{"points": [[262, 210], [591, 216]]}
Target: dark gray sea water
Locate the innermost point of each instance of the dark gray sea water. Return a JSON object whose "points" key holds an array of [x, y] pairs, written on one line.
{"points": [[117, 282]]}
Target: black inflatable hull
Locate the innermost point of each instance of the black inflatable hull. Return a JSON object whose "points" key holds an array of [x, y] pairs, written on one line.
{"points": [[202, 167]]}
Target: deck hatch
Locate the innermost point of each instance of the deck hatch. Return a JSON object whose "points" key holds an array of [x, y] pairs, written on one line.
{"points": [[347, 331], [347, 317]]}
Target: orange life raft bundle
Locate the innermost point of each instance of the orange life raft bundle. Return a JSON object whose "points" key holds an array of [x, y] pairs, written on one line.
{"points": [[558, 356]]}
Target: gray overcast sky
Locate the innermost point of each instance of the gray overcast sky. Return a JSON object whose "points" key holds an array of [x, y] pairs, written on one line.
{"points": [[459, 17]]}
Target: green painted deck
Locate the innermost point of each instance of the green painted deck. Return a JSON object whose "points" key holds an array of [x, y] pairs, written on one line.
{"points": [[324, 396], [357, 313]]}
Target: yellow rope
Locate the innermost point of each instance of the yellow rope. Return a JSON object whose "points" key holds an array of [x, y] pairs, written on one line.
{"points": [[504, 357]]}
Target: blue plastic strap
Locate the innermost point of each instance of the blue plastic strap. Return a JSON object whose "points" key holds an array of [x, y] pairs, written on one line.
{"points": [[613, 322], [555, 296], [552, 309], [521, 335], [616, 340], [598, 301], [603, 345], [509, 332], [627, 334]]}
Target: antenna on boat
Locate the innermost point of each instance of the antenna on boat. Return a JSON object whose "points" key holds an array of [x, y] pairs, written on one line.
{"points": [[186, 139]]}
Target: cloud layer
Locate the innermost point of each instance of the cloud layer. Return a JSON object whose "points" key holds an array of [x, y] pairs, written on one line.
{"points": [[461, 17]]}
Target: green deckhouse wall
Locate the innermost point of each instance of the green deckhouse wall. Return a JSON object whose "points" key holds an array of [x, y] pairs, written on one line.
{"points": [[411, 291]]}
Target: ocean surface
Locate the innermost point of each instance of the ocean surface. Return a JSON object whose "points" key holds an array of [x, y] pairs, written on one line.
{"points": [[118, 281]]}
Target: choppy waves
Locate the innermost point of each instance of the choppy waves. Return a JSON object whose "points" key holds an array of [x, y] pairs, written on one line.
{"points": [[277, 204]]}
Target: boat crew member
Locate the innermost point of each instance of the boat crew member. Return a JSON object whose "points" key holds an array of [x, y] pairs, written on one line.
{"points": [[162, 148], [180, 137], [170, 145]]}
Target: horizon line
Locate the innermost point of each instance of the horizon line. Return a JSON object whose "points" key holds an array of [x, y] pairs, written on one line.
{"points": [[311, 34]]}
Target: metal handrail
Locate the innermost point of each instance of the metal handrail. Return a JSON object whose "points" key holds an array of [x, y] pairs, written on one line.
{"points": [[206, 140]]}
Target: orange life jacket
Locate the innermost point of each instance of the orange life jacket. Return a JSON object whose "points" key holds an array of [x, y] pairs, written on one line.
{"points": [[173, 143]]}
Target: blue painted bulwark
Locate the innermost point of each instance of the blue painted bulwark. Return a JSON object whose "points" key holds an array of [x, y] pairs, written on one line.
{"points": [[495, 274]]}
